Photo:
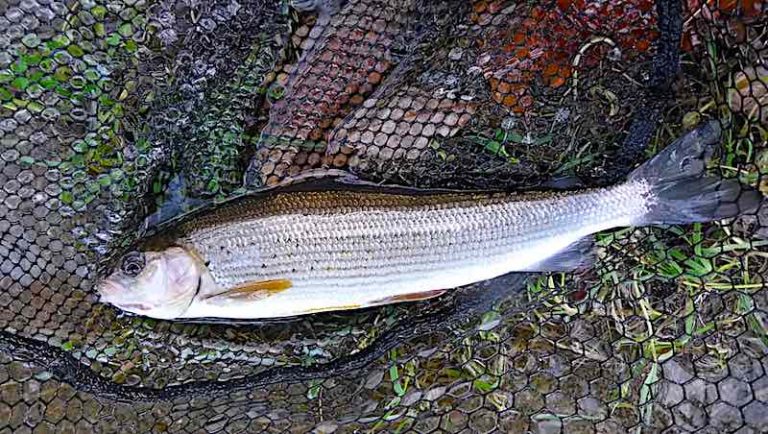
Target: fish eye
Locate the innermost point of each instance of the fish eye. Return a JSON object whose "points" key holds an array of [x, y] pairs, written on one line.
{"points": [[133, 263]]}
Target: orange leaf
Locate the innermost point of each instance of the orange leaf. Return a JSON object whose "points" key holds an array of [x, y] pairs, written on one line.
{"points": [[727, 5], [480, 7], [686, 43], [550, 69], [645, 6], [557, 82]]}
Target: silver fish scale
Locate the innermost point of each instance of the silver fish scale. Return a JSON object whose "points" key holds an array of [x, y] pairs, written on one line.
{"points": [[350, 246]]}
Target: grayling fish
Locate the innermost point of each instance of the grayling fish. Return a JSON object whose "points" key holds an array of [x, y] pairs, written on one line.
{"points": [[292, 253]]}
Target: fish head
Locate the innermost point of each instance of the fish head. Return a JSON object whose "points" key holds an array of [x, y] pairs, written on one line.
{"points": [[157, 284]]}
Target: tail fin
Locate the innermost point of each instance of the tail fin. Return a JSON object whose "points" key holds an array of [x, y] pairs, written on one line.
{"points": [[682, 192]]}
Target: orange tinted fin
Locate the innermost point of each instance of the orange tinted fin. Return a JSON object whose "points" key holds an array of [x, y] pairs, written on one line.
{"points": [[255, 290], [331, 308], [413, 296]]}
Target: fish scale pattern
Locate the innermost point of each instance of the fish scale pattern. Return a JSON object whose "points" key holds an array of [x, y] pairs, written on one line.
{"points": [[112, 110]]}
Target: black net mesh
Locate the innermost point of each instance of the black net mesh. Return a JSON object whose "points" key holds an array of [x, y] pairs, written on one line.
{"points": [[113, 111]]}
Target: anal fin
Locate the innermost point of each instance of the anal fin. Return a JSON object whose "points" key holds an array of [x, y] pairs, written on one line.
{"points": [[577, 255]]}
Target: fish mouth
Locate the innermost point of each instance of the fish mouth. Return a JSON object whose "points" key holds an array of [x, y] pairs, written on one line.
{"points": [[108, 289]]}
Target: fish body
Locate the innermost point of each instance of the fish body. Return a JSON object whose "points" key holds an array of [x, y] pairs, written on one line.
{"points": [[342, 250], [293, 253]]}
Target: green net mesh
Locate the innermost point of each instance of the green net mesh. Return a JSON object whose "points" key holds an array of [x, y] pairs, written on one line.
{"points": [[112, 111]]}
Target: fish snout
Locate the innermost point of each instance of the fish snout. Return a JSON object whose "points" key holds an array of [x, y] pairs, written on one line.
{"points": [[109, 289]]}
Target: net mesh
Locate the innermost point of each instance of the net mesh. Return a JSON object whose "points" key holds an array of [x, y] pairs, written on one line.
{"points": [[114, 111]]}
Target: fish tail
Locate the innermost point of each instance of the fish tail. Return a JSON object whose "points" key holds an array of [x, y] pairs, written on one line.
{"points": [[680, 190]]}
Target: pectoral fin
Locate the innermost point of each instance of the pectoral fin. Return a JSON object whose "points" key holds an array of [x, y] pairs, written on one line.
{"points": [[252, 291], [414, 296]]}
